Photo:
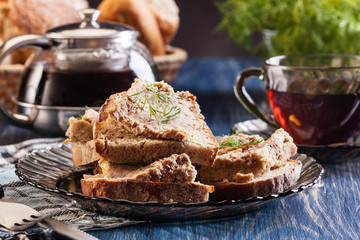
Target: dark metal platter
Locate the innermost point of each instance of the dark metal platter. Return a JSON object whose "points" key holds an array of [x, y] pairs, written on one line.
{"points": [[52, 170]]}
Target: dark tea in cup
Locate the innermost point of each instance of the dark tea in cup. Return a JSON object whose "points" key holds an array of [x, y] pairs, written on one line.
{"points": [[313, 97]]}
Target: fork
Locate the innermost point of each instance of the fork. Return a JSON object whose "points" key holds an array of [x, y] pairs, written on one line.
{"points": [[11, 215], [33, 219]]}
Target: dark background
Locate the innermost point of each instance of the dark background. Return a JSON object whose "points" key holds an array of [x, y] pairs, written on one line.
{"points": [[197, 32]]}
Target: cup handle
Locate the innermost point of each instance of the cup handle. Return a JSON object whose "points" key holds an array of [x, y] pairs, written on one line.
{"points": [[245, 99]]}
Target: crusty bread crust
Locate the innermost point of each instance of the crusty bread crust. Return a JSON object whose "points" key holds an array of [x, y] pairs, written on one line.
{"points": [[273, 182], [146, 191]]}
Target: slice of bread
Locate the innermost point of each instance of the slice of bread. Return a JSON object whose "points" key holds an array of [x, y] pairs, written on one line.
{"points": [[249, 166], [167, 180], [277, 180], [239, 164], [84, 153], [81, 130], [134, 191], [127, 132], [176, 168]]}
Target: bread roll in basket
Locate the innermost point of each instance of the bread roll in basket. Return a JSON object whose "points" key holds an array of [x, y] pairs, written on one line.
{"points": [[157, 22]]}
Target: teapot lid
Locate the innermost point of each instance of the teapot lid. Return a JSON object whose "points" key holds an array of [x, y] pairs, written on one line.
{"points": [[92, 34]]}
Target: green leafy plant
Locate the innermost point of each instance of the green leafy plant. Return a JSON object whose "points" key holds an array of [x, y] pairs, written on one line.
{"points": [[296, 26]]}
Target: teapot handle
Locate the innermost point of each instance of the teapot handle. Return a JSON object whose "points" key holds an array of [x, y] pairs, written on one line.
{"points": [[28, 40]]}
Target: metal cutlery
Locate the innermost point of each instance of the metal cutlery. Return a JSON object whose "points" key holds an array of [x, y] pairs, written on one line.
{"points": [[15, 216]]}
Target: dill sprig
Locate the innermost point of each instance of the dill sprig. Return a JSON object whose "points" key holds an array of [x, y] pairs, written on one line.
{"points": [[234, 142], [163, 107]]}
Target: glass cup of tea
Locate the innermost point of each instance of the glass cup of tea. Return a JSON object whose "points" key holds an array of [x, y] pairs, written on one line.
{"points": [[315, 98]]}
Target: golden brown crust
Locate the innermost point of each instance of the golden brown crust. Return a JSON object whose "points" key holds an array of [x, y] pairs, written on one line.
{"points": [[137, 14], [276, 181], [146, 191]]}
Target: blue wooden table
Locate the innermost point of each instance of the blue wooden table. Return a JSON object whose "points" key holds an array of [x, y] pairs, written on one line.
{"points": [[328, 210]]}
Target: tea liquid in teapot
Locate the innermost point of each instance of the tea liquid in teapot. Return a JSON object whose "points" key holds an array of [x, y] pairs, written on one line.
{"points": [[44, 84], [73, 88]]}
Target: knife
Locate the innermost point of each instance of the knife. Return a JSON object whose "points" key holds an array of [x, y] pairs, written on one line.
{"points": [[12, 211], [66, 230]]}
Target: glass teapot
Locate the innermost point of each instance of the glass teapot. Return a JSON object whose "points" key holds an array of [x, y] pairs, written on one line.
{"points": [[79, 65]]}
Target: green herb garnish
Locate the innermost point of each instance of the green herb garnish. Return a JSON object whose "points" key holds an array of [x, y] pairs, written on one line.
{"points": [[79, 117], [234, 142], [162, 105], [138, 165]]}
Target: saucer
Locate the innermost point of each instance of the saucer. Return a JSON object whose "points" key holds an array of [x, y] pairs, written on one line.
{"points": [[322, 153]]}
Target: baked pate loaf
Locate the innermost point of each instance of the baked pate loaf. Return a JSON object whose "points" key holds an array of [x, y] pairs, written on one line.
{"points": [[84, 153], [176, 168], [128, 131], [167, 180], [162, 192], [253, 158], [254, 167], [147, 141], [276, 181], [80, 132]]}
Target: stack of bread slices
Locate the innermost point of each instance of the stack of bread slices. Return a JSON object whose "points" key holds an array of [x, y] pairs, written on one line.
{"points": [[150, 143]]}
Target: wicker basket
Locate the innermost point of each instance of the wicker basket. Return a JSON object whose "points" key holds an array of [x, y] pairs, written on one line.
{"points": [[10, 80], [170, 63]]}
